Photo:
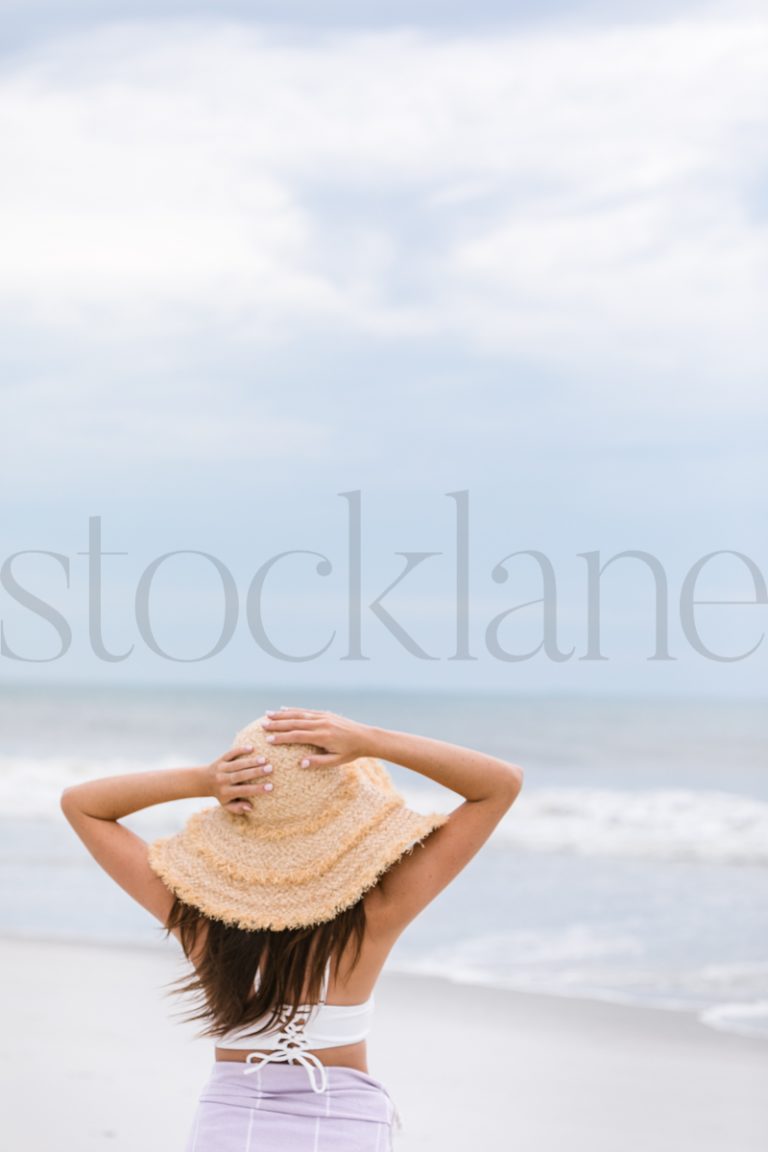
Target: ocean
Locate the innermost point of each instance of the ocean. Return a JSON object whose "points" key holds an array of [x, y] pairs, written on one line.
{"points": [[633, 867]]}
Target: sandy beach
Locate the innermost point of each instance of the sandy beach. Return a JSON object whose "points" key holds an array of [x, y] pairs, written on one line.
{"points": [[94, 1058]]}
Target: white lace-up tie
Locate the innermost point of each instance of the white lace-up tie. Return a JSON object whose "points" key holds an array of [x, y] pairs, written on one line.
{"points": [[291, 1045]]}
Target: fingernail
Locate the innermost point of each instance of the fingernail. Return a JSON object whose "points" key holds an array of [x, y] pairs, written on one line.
{"points": [[268, 786], [267, 768], [270, 739], [305, 763], [248, 747]]}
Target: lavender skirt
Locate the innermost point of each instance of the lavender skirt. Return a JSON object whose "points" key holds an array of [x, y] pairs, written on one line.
{"points": [[276, 1110]]}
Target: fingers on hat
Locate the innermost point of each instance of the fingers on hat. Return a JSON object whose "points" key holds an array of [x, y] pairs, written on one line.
{"points": [[282, 723], [244, 790], [238, 750], [285, 710]]}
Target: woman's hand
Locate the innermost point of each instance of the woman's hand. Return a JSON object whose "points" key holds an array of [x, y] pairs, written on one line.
{"points": [[342, 740], [237, 776]]}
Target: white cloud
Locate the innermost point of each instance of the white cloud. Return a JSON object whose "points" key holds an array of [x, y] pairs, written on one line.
{"points": [[581, 201]]}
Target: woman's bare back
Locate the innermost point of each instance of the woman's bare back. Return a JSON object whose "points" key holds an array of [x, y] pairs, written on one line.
{"points": [[347, 987]]}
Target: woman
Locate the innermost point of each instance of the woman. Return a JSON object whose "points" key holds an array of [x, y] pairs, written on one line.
{"points": [[287, 898]]}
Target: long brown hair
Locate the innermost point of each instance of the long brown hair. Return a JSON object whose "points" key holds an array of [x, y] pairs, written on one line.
{"points": [[226, 971]]}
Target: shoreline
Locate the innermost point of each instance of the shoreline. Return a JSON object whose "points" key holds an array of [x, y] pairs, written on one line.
{"points": [[91, 1032], [678, 1010]]}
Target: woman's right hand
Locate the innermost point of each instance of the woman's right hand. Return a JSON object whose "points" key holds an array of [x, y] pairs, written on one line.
{"points": [[341, 740], [238, 775]]}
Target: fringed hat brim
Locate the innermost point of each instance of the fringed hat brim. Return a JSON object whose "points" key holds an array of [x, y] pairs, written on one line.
{"points": [[286, 894]]}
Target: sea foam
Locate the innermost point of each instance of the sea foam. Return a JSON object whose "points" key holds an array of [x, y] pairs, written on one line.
{"points": [[717, 827], [659, 824]]}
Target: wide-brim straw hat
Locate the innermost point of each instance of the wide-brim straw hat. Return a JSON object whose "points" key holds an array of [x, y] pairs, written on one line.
{"points": [[305, 852]]}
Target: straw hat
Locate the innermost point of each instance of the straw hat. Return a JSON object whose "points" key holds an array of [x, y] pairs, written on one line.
{"points": [[305, 852]]}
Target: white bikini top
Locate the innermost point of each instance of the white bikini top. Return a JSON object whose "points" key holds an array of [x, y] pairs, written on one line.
{"points": [[318, 1025]]}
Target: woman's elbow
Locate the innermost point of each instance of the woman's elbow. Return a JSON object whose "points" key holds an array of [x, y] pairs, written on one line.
{"points": [[502, 785], [67, 799], [516, 777]]}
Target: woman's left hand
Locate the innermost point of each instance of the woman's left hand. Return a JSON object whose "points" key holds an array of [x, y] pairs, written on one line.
{"points": [[237, 777]]}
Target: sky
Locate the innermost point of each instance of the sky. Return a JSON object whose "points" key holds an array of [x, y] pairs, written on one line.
{"points": [[303, 294]]}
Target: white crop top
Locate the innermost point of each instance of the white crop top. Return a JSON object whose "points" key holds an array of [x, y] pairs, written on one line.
{"points": [[314, 1026]]}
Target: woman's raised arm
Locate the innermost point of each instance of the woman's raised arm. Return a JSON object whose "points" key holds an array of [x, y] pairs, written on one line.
{"points": [[94, 809], [489, 786]]}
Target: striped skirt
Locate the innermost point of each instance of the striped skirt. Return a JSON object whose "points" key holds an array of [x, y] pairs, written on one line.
{"points": [[276, 1110]]}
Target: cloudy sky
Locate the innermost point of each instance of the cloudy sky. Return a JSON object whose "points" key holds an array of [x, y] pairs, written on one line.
{"points": [[266, 276]]}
